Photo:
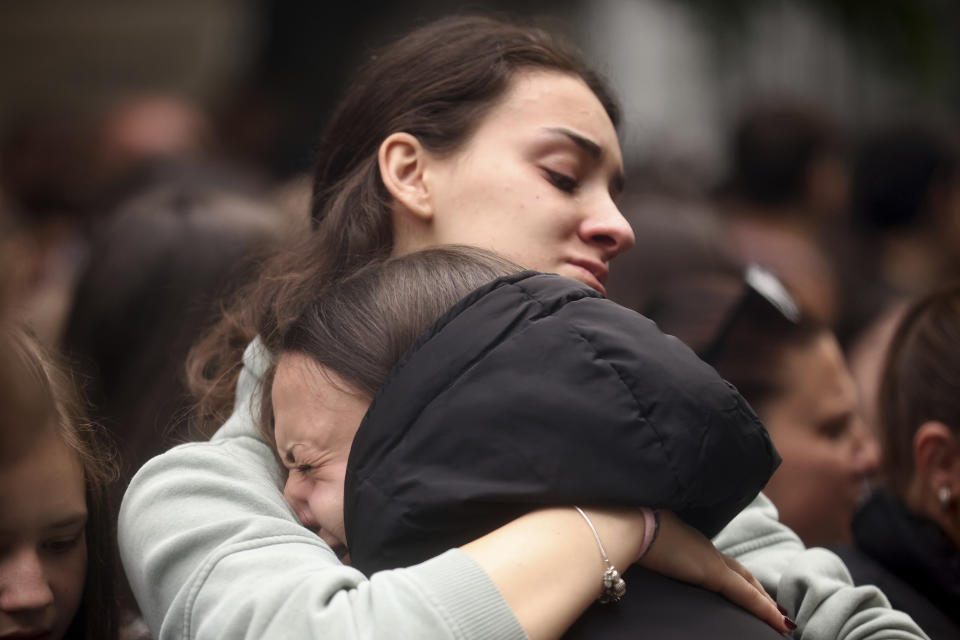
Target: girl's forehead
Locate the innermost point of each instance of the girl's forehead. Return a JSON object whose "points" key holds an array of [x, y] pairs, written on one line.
{"points": [[43, 488], [313, 407]]}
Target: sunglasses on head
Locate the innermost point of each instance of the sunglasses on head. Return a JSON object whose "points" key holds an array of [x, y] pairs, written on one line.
{"points": [[761, 290]]}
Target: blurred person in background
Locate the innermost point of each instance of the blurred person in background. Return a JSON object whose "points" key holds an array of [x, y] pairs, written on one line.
{"points": [[141, 137], [46, 184], [143, 128], [787, 188], [790, 369], [905, 198], [179, 241], [61, 173], [906, 239], [45, 437], [678, 231], [57, 552], [907, 535]]}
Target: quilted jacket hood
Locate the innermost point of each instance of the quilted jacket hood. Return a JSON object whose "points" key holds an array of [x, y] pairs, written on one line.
{"points": [[535, 390]]}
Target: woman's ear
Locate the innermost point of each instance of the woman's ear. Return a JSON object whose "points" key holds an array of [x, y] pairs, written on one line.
{"points": [[402, 160], [936, 457]]}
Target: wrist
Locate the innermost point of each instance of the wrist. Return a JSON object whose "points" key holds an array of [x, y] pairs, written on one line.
{"points": [[613, 586], [622, 530]]}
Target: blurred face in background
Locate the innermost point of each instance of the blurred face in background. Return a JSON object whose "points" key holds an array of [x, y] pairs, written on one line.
{"points": [[536, 182], [827, 451], [43, 551]]}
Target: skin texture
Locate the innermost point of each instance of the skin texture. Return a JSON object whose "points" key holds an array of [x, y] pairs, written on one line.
{"points": [[316, 416], [537, 182], [828, 453], [43, 553]]}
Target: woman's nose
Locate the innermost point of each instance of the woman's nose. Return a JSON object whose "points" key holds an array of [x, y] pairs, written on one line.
{"points": [[294, 491], [606, 228], [24, 585]]}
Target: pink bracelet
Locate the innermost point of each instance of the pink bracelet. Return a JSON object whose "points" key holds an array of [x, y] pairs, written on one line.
{"points": [[651, 527]]}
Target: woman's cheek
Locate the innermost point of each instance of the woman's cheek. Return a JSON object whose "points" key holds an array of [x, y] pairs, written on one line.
{"points": [[67, 582], [320, 506]]}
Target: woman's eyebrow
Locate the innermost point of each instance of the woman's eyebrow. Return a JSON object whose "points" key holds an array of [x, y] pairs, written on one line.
{"points": [[78, 518], [592, 148]]}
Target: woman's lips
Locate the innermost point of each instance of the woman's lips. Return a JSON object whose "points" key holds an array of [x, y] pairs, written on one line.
{"points": [[593, 274]]}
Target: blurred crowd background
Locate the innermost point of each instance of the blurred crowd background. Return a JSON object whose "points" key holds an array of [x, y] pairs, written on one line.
{"points": [[151, 152]]}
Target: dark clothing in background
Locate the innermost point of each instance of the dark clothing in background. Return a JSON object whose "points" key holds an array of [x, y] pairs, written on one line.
{"points": [[911, 560], [535, 391]]}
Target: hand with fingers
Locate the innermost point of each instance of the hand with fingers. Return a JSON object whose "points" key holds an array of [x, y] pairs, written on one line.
{"points": [[683, 553]]}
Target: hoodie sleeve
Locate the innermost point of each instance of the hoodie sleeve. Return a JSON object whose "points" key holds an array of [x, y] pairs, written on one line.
{"points": [[212, 550], [813, 585]]}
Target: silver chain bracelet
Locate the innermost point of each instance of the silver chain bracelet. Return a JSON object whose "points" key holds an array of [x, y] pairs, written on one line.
{"points": [[613, 585]]}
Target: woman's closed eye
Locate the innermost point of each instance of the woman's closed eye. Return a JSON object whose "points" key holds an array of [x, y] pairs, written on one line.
{"points": [[303, 468], [562, 181], [62, 544], [836, 428]]}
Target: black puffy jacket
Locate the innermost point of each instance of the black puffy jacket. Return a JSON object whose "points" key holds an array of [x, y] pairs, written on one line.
{"points": [[534, 390]]}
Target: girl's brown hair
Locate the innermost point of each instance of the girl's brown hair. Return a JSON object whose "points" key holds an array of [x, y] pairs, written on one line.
{"points": [[360, 326], [435, 83], [920, 379], [38, 393]]}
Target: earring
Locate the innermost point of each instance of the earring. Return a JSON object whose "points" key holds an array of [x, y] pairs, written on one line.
{"points": [[944, 496]]}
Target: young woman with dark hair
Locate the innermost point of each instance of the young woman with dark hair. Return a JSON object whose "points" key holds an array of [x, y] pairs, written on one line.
{"points": [[57, 551], [469, 131], [907, 535], [423, 150]]}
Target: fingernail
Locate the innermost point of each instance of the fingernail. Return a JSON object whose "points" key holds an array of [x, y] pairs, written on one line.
{"points": [[790, 623], [781, 609]]}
